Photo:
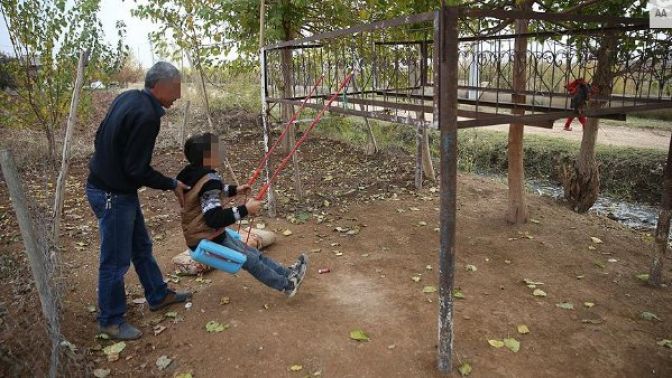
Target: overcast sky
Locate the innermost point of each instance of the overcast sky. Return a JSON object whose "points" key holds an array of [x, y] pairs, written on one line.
{"points": [[110, 12]]}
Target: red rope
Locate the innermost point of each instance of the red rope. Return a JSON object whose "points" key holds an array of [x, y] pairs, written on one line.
{"points": [[284, 162], [257, 172], [260, 167]]}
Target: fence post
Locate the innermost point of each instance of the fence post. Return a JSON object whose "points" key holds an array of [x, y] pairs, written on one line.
{"points": [[36, 252]]}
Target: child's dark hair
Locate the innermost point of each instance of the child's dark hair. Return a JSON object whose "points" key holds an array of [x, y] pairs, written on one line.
{"points": [[196, 146]]}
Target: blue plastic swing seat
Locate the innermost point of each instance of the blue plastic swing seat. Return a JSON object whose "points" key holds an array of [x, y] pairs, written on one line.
{"points": [[219, 256]]}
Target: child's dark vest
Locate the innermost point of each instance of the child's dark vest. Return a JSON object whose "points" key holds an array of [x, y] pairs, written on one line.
{"points": [[193, 225]]}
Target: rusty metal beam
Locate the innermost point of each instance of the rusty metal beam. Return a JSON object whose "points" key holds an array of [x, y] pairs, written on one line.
{"points": [[399, 21], [516, 15], [527, 107], [613, 98], [487, 118], [409, 120], [534, 118], [577, 31], [298, 47], [393, 105], [573, 31]]}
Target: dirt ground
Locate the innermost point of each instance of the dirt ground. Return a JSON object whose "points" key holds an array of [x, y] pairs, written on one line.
{"points": [[613, 133], [371, 287]]}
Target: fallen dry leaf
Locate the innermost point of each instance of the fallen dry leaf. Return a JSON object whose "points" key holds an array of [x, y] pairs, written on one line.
{"points": [[512, 344], [101, 373], [522, 329], [112, 351], [359, 335], [464, 369], [163, 362], [429, 289], [496, 343]]}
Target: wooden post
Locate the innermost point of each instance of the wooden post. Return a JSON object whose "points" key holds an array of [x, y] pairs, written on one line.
{"points": [[59, 197], [37, 254], [517, 209], [663, 226], [447, 45]]}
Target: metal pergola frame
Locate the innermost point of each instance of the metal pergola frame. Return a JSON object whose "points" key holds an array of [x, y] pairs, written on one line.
{"points": [[445, 101]]}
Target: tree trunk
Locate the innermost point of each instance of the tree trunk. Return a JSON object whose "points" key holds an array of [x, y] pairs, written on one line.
{"points": [[582, 184], [206, 104], [424, 165], [270, 196], [418, 157], [517, 208], [204, 92], [287, 112], [663, 226], [371, 144], [51, 142], [287, 109], [427, 164], [183, 128], [59, 197]]}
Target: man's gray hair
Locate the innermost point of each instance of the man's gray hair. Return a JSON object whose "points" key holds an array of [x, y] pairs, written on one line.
{"points": [[160, 71]]}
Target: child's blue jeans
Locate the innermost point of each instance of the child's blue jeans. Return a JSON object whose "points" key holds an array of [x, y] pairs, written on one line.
{"points": [[123, 238], [261, 267]]}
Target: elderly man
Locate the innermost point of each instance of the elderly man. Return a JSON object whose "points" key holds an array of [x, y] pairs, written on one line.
{"points": [[119, 166]]}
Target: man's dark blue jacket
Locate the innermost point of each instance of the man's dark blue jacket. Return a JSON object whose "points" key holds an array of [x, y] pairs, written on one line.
{"points": [[124, 145]]}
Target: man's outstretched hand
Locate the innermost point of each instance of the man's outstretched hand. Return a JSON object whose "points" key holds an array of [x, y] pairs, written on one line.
{"points": [[179, 192]]}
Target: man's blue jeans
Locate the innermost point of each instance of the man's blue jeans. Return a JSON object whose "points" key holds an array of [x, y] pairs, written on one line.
{"points": [[123, 238], [263, 268]]}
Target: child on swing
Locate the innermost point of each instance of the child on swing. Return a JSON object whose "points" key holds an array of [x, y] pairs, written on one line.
{"points": [[204, 217]]}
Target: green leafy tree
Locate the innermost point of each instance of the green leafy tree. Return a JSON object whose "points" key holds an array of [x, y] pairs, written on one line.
{"points": [[614, 53], [6, 79], [46, 38]]}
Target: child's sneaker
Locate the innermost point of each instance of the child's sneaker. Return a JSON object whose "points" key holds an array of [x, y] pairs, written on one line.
{"points": [[297, 273], [303, 259]]}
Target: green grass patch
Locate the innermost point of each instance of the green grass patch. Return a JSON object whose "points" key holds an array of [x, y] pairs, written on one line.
{"points": [[627, 173], [660, 120]]}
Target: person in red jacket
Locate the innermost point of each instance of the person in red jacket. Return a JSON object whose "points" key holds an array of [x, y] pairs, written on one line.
{"points": [[579, 89]]}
